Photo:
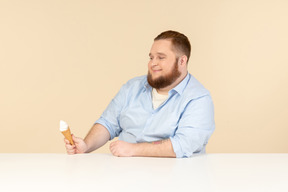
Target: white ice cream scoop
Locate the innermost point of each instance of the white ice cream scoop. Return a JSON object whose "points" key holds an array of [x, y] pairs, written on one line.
{"points": [[64, 128]]}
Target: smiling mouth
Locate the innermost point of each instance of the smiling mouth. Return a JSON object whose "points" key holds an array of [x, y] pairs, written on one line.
{"points": [[156, 70]]}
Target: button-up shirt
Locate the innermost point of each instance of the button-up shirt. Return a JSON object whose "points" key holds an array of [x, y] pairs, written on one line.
{"points": [[186, 117]]}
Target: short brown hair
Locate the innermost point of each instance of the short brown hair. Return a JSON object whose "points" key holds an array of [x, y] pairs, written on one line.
{"points": [[179, 41]]}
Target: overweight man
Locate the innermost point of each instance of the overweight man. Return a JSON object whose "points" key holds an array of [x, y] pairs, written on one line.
{"points": [[166, 113]]}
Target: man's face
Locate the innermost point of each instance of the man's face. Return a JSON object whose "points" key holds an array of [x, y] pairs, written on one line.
{"points": [[163, 65]]}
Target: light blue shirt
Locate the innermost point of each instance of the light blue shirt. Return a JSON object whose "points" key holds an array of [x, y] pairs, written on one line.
{"points": [[186, 117]]}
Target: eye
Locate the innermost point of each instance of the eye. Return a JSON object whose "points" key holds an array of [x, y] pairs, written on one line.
{"points": [[161, 58]]}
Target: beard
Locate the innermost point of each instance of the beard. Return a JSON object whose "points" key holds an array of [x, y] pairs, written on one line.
{"points": [[164, 80]]}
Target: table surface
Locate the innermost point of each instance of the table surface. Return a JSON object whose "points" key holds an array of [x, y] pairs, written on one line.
{"points": [[99, 172]]}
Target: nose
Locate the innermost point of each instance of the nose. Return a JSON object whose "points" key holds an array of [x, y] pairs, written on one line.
{"points": [[153, 63]]}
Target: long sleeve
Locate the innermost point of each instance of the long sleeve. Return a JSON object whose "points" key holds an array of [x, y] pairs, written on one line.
{"points": [[110, 117], [195, 127]]}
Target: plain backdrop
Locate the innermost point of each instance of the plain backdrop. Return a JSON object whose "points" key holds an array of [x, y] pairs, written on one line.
{"points": [[66, 60]]}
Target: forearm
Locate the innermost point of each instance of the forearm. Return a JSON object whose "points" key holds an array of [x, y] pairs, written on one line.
{"points": [[96, 137], [161, 148]]}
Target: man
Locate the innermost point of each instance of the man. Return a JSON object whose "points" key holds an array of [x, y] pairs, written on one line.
{"points": [[167, 113]]}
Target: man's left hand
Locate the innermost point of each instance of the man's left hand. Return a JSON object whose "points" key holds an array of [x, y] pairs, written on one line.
{"points": [[121, 148]]}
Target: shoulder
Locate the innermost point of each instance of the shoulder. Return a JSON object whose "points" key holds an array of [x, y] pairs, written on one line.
{"points": [[197, 98], [134, 85], [136, 82], [195, 89]]}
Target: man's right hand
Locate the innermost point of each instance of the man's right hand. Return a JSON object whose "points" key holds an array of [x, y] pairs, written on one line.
{"points": [[79, 146]]}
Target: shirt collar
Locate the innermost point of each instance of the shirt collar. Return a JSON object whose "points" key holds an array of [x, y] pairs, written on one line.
{"points": [[147, 87], [179, 88]]}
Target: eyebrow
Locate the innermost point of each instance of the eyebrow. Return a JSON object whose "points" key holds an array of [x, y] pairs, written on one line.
{"points": [[158, 53]]}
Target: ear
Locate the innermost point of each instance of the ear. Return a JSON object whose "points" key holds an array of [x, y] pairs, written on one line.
{"points": [[182, 60]]}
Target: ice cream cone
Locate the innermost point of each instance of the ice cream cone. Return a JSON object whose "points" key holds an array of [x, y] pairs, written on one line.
{"points": [[65, 130], [67, 135]]}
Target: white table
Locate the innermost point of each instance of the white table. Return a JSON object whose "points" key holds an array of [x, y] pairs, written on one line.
{"points": [[104, 172]]}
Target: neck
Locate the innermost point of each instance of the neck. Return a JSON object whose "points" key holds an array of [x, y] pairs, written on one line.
{"points": [[165, 90]]}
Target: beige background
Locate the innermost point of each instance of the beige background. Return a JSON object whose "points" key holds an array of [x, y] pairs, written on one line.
{"points": [[66, 59]]}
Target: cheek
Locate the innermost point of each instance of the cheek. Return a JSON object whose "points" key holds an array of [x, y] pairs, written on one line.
{"points": [[168, 67]]}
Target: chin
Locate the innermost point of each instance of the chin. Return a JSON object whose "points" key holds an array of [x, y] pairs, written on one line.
{"points": [[156, 75]]}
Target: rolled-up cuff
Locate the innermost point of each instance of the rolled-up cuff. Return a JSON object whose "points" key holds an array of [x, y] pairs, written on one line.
{"points": [[176, 147], [106, 124]]}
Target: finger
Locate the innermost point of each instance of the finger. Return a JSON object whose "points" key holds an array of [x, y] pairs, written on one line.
{"points": [[76, 139], [113, 143], [113, 152], [71, 152], [112, 146], [66, 141], [70, 149], [69, 146], [111, 149], [116, 154]]}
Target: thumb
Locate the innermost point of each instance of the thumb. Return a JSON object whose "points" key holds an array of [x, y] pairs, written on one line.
{"points": [[76, 139]]}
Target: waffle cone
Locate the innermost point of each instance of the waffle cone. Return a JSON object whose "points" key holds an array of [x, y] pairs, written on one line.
{"points": [[67, 135]]}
